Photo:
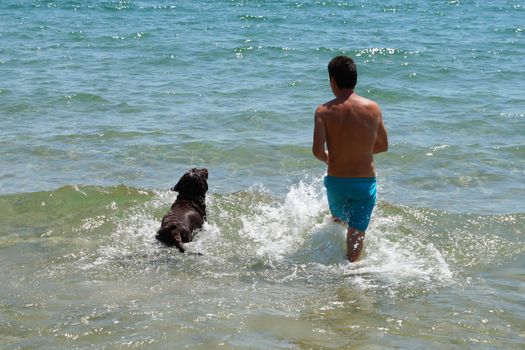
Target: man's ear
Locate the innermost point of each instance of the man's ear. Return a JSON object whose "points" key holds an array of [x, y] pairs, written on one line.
{"points": [[333, 83], [333, 86]]}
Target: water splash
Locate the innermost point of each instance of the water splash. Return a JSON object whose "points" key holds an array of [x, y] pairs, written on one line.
{"points": [[256, 235], [279, 228]]}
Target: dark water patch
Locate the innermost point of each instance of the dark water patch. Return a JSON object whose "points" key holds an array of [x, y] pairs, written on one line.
{"points": [[513, 152], [78, 36], [392, 52], [20, 106], [252, 18], [85, 98], [107, 134], [50, 153], [391, 95], [163, 8], [49, 213], [116, 6], [331, 50]]}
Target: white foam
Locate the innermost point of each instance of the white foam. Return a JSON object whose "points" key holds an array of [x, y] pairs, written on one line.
{"points": [[294, 231], [300, 228], [279, 228], [399, 259]]}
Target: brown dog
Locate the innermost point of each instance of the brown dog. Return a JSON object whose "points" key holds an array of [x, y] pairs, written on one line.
{"points": [[188, 213]]}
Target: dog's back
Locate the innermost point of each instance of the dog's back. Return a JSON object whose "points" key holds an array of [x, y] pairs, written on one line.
{"points": [[188, 213], [180, 222]]}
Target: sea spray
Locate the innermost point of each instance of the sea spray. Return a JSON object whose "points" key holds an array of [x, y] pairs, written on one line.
{"points": [[280, 227]]}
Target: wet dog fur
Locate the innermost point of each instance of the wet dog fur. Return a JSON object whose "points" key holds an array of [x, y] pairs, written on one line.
{"points": [[188, 212]]}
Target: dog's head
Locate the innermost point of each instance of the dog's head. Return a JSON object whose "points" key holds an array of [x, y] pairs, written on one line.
{"points": [[193, 184]]}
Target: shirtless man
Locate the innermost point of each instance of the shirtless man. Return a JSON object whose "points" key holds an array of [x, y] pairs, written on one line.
{"points": [[352, 128]]}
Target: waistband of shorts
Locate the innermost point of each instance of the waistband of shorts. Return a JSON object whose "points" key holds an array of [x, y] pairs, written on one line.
{"points": [[351, 180]]}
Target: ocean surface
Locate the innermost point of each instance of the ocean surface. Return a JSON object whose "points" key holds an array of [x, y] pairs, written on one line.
{"points": [[105, 104]]}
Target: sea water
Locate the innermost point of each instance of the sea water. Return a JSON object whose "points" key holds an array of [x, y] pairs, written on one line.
{"points": [[105, 104]]}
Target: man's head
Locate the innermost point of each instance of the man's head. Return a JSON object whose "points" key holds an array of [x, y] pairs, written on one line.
{"points": [[343, 72]]}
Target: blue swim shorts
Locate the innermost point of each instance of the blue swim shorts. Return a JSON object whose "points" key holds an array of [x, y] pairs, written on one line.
{"points": [[351, 199]]}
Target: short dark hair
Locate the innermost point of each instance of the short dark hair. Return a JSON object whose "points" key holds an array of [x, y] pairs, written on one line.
{"points": [[343, 70]]}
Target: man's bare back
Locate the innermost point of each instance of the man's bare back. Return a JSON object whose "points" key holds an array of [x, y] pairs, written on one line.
{"points": [[352, 128]]}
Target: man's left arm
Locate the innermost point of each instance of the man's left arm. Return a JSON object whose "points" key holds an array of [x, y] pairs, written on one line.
{"points": [[381, 144]]}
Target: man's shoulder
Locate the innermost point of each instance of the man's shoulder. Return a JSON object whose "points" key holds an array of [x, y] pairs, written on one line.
{"points": [[366, 102], [324, 108], [371, 107]]}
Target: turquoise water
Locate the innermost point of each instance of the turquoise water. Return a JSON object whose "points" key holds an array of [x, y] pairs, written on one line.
{"points": [[104, 104]]}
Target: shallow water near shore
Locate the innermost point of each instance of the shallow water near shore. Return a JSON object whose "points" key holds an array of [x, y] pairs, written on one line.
{"points": [[83, 270], [272, 274], [105, 104]]}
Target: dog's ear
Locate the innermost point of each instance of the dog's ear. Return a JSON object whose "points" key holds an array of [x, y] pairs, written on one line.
{"points": [[204, 185], [179, 186], [193, 183], [182, 185]]}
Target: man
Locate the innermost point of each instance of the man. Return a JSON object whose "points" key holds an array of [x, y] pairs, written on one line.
{"points": [[352, 128]]}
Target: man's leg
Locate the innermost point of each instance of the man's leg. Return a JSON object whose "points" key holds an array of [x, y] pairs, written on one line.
{"points": [[354, 243]]}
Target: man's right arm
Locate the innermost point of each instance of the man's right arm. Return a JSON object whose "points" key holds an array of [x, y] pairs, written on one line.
{"points": [[318, 146]]}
